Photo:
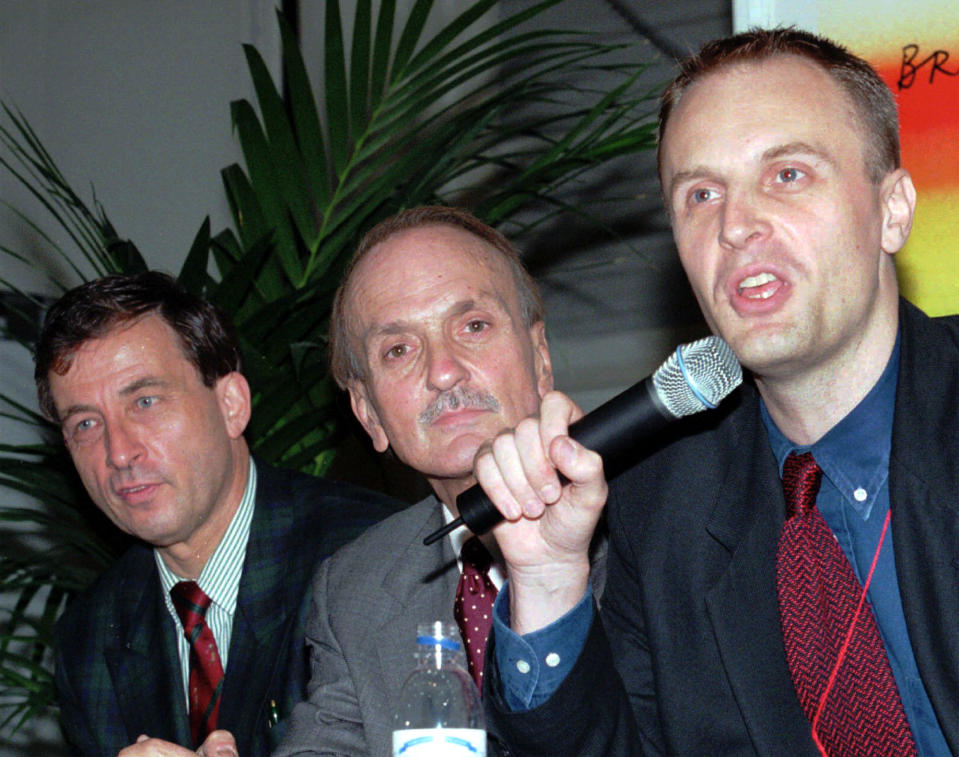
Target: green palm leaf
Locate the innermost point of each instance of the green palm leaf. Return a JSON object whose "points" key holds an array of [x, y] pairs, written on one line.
{"points": [[405, 117]]}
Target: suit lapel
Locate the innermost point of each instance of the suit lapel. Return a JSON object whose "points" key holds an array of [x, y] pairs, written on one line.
{"points": [[925, 522], [421, 588], [742, 604], [143, 664], [924, 495], [265, 601]]}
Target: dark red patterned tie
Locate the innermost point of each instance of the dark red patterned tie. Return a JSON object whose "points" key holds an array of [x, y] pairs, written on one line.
{"points": [[818, 596], [473, 609], [206, 672]]}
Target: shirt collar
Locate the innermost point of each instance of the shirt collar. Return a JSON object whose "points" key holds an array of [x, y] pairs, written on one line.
{"points": [[220, 577], [853, 454]]}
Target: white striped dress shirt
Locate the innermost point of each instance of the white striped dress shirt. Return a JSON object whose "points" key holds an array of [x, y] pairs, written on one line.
{"points": [[219, 579]]}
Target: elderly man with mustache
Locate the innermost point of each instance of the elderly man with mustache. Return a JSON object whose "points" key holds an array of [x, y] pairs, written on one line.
{"points": [[437, 333]]}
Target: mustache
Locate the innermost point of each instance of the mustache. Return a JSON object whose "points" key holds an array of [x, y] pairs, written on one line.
{"points": [[455, 399]]}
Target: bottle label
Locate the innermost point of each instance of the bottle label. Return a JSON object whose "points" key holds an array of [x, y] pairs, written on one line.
{"points": [[439, 742]]}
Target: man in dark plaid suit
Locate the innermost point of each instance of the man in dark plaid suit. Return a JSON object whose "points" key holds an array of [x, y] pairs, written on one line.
{"points": [[144, 381]]}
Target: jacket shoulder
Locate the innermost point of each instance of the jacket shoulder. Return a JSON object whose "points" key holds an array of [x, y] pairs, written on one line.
{"points": [[390, 535], [94, 612], [317, 515]]}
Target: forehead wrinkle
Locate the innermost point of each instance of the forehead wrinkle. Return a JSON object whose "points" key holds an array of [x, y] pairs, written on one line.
{"points": [[458, 308], [483, 255], [74, 410], [142, 383], [797, 148]]}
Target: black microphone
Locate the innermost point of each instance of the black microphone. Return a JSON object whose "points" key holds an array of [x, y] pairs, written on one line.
{"points": [[697, 376]]}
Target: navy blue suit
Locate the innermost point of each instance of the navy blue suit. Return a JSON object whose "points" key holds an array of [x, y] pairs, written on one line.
{"points": [[117, 670], [690, 618]]}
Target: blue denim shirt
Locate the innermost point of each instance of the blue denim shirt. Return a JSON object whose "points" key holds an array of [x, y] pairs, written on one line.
{"points": [[854, 500]]}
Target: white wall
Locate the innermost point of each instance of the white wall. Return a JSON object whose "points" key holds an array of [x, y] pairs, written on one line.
{"points": [[133, 97]]}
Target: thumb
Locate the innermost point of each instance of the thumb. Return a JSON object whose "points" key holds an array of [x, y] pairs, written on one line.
{"points": [[583, 468], [219, 744]]}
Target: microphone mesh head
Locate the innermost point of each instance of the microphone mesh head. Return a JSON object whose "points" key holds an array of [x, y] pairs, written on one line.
{"points": [[697, 376]]}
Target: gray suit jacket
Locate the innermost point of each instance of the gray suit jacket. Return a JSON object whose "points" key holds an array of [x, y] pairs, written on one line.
{"points": [[367, 602]]}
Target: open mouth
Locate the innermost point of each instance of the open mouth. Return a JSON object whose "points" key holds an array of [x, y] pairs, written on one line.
{"points": [[759, 287]]}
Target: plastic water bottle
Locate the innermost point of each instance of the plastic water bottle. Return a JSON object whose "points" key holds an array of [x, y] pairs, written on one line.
{"points": [[439, 713]]}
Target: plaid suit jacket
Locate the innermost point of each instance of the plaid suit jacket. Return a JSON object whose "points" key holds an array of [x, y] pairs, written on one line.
{"points": [[117, 670]]}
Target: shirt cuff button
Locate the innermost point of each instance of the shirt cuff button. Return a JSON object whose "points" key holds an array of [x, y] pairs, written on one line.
{"points": [[552, 659], [522, 666]]}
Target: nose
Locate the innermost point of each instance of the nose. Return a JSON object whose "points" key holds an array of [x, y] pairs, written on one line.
{"points": [[743, 221], [445, 368], [123, 445]]}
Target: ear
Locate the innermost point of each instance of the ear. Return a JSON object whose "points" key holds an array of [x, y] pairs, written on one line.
{"points": [[543, 366], [898, 196], [365, 413], [233, 396]]}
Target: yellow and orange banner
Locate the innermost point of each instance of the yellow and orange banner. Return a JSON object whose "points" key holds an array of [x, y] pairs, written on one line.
{"points": [[915, 48]]}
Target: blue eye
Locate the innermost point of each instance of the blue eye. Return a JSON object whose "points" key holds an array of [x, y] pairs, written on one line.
{"points": [[84, 430], [146, 402], [788, 175], [703, 195]]}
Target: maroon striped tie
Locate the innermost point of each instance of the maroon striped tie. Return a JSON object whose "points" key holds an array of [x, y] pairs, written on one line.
{"points": [[206, 672], [818, 599], [473, 609]]}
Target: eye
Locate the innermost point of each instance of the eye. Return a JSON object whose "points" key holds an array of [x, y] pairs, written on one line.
{"points": [[703, 194], [476, 325], [396, 351], [145, 403], [83, 430], [789, 175]]}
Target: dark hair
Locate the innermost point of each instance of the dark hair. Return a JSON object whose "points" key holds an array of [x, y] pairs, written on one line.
{"points": [[344, 363], [872, 100], [94, 309]]}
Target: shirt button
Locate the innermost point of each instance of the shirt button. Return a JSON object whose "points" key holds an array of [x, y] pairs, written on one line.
{"points": [[860, 494], [552, 659], [522, 666]]}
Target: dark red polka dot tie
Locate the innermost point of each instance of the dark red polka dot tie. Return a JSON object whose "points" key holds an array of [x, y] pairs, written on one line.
{"points": [[206, 672], [819, 594], [473, 609]]}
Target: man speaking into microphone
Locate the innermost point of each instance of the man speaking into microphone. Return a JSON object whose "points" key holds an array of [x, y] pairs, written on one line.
{"points": [[782, 572]]}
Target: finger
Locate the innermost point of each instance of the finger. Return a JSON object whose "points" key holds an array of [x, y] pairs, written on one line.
{"points": [[539, 473], [140, 747], [522, 463], [490, 477], [219, 744], [557, 412], [581, 466], [148, 747], [584, 469]]}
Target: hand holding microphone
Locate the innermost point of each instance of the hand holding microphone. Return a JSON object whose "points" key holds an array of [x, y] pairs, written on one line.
{"points": [[696, 377]]}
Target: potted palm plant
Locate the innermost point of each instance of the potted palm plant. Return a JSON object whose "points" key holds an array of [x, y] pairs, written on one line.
{"points": [[405, 118]]}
